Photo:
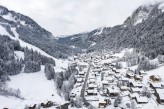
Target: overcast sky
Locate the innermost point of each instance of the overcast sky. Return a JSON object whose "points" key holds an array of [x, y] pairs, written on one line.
{"points": [[64, 17]]}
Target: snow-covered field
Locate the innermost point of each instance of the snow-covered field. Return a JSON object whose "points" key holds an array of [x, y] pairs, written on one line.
{"points": [[34, 87]]}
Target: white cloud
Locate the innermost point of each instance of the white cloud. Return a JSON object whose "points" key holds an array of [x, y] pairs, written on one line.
{"points": [[63, 17]]}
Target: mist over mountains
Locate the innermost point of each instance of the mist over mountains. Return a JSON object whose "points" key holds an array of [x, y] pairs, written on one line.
{"points": [[142, 30]]}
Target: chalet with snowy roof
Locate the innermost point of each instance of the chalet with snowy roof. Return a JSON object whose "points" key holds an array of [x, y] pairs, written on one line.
{"points": [[142, 72], [155, 85], [136, 90], [104, 102], [158, 91], [133, 95], [103, 92], [141, 99], [160, 98], [124, 81], [91, 92], [124, 88], [113, 91], [155, 78], [92, 80], [78, 85], [138, 78], [136, 84], [92, 86], [79, 80], [105, 84], [130, 75], [110, 79]]}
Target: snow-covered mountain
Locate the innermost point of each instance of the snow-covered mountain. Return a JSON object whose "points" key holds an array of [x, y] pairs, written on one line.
{"points": [[142, 30], [25, 29]]}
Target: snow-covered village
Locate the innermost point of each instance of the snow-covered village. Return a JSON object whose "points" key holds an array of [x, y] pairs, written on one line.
{"points": [[82, 54]]}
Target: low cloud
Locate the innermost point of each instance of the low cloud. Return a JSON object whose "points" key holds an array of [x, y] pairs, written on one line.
{"points": [[64, 17]]}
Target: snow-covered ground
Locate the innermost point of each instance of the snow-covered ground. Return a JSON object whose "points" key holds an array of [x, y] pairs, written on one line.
{"points": [[34, 87], [19, 54]]}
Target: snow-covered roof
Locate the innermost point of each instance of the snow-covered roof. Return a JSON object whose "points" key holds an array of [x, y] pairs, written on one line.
{"points": [[161, 96], [142, 99], [82, 73], [109, 78], [79, 79], [138, 76], [92, 80], [130, 74], [160, 91], [113, 90], [91, 91], [156, 85], [101, 100], [124, 78], [92, 77], [124, 87], [104, 82], [142, 72], [132, 95], [92, 85], [136, 89], [137, 84]]}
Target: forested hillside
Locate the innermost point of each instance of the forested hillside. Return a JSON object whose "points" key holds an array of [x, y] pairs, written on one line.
{"points": [[30, 32], [143, 30]]}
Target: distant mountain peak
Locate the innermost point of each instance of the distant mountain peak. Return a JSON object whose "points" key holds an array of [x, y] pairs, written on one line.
{"points": [[3, 10], [143, 12]]}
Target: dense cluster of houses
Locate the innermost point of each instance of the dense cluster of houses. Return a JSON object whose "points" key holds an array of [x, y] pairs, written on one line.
{"points": [[107, 82]]}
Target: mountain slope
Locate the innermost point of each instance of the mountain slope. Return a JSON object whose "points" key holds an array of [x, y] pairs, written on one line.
{"points": [[84, 41], [29, 31], [143, 30]]}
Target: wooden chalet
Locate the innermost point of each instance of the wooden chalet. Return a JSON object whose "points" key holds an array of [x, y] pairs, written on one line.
{"points": [[155, 78], [130, 75], [138, 78], [104, 102], [103, 92]]}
